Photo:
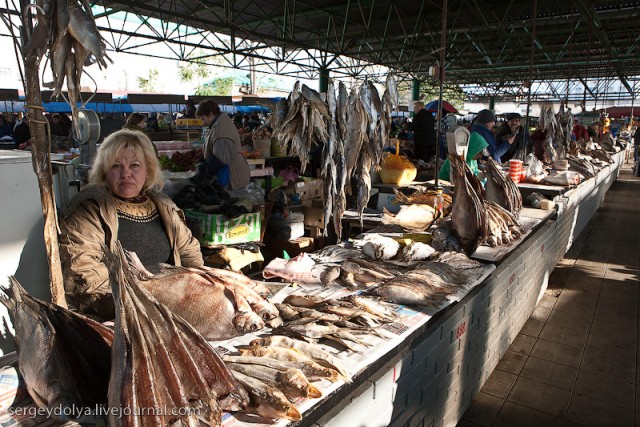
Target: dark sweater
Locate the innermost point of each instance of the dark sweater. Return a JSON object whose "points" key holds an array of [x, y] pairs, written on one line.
{"points": [[141, 231]]}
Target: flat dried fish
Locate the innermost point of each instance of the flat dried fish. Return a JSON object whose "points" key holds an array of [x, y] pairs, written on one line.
{"points": [[63, 357], [160, 361]]}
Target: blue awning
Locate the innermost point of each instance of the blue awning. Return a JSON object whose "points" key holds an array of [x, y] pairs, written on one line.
{"points": [[63, 107], [247, 109]]}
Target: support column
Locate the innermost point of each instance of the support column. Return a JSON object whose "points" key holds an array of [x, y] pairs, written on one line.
{"points": [[415, 89], [492, 103], [323, 81]]}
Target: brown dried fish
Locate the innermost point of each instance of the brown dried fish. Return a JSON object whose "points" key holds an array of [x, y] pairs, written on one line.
{"points": [[292, 382], [64, 357], [267, 401], [160, 361]]}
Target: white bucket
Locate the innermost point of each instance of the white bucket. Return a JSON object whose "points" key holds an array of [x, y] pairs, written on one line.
{"points": [[264, 145]]}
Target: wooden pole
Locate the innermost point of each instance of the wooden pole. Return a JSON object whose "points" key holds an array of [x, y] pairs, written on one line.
{"points": [[33, 48]]}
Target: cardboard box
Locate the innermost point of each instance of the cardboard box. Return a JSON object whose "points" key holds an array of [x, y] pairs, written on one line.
{"points": [[189, 123], [314, 214], [217, 229], [306, 190]]}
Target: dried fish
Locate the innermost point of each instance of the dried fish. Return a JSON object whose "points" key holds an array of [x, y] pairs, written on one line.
{"points": [[159, 360], [267, 401], [63, 357], [468, 214], [411, 217], [330, 275], [304, 300], [311, 369], [292, 382], [194, 297], [310, 350]]}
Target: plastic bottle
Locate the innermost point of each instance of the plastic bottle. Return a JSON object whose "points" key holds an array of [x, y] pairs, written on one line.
{"points": [[438, 203]]}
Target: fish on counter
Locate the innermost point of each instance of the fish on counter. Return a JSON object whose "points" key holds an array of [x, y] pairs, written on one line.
{"points": [[217, 303], [422, 196], [468, 214], [63, 357], [501, 189], [292, 381], [379, 247], [159, 360], [411, 217], [312, 351], [267, 401], [311, 369]]}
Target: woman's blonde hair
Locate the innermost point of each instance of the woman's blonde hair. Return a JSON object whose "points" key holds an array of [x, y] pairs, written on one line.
{"points": [[119, 141]]}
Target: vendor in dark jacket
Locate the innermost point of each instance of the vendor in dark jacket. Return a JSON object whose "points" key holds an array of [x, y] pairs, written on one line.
{"points": [[517, 136], [424, 133], [483, 124]]}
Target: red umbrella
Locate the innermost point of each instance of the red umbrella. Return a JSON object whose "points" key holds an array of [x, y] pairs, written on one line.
{"points": [[433, 106]]}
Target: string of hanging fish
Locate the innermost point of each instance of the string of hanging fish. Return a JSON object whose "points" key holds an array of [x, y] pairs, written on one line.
{"points": [[352, 129], [73, 43]]}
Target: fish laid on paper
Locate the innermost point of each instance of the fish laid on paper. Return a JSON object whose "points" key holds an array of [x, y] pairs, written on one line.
{"points": [[417, 251], [295, 357], [311, 370], [292, 382], [215, 302], [295, 269], [63, 357], [312, 351], [416, 287], [380, 247], [267, 401], [159, 360]]}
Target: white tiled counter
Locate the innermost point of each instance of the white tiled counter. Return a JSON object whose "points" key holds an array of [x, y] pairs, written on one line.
{"points": [[431, 378]]}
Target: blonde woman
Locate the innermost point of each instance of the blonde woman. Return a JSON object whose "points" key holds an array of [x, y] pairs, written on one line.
{"points": [[122, 203]]}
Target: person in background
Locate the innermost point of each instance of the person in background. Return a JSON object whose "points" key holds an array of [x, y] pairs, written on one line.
{"points": [[5, 129], [580, 131], [152, 122], [122, 203], [190, 110], [163, 123], [21, 131], [424, 134], [222, 150], [58, 126], [483, 127], [136, 121], [513, 131], [254, 122], [477, 144]]}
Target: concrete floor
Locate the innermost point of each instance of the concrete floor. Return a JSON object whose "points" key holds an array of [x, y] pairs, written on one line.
{"points": [[575, 362]]}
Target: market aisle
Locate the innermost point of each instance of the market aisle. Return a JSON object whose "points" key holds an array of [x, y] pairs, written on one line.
{"points": [[575, 362]]}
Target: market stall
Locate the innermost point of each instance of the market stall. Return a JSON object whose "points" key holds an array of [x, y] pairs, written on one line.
{"points": [[429, 361]]}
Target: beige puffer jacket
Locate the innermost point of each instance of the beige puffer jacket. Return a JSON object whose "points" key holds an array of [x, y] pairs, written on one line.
{"points": [[91, 221]]}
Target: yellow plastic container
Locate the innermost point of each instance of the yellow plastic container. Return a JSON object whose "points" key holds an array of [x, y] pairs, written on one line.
{"points": [[397, 169]]}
